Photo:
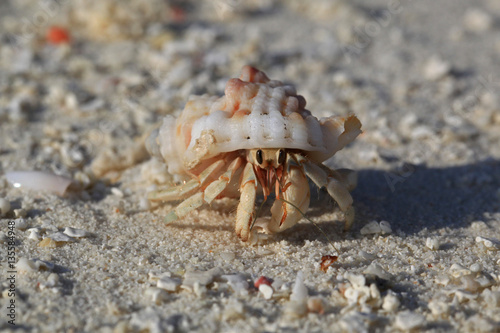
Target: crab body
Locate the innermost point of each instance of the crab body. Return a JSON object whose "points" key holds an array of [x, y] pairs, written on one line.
{"points": [[258, 137]]}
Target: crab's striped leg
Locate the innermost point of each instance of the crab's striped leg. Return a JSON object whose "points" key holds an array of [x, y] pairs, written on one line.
{"points": [[246, 208], [295, 191], [185, 190], [207, 195], [338, 183]]}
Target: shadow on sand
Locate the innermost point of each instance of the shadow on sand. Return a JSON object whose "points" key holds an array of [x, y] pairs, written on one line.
{"points": [[418, 197]]}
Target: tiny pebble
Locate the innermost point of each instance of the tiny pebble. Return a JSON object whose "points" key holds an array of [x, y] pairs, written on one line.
{"points": [[21, 224], [266, 290], [4, 206], [316, 305], [74, 232], [476, 267], [409, 320], [432, 243]]}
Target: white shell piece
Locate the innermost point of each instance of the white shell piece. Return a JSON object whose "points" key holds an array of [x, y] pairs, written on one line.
{"points": [[255, 112]]}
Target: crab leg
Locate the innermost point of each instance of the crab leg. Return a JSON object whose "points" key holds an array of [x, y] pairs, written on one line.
{"points": [[295, 191], [185, 190], [338, 183], [211, 192], [246, 208]]}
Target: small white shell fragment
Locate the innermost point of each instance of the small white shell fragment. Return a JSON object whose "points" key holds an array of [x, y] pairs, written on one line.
{"points": [[409, 320], [391, 303], [457, 270], [60, 237], [52, 280], [443, 280], [116, 191], [372, 227], [20, 224], [266, 291], [74, 232], [377, 270], [4, 206], [34, 233], [356, 280], [299, 291], [27, 265], [20, 213], [439, 308], [39, 181], [490, 243], [201, 277], [168, 283], [432, 243], [436, 68], [385, 227], [156, 295]]}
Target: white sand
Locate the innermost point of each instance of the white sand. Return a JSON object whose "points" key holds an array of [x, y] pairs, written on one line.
{"points": [[423, 79]]}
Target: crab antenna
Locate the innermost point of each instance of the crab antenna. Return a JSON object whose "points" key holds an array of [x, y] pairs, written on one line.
{"points": [[257, 213]]}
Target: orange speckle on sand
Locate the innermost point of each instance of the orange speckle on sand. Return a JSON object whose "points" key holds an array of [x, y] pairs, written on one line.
{"points": [[57, 35]]}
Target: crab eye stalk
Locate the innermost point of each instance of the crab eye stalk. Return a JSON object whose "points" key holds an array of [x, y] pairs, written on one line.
{"points": [[258, 156], [281, 156]]}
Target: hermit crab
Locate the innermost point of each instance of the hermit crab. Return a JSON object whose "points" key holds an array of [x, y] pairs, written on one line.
{"points": [[257, 138]]}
